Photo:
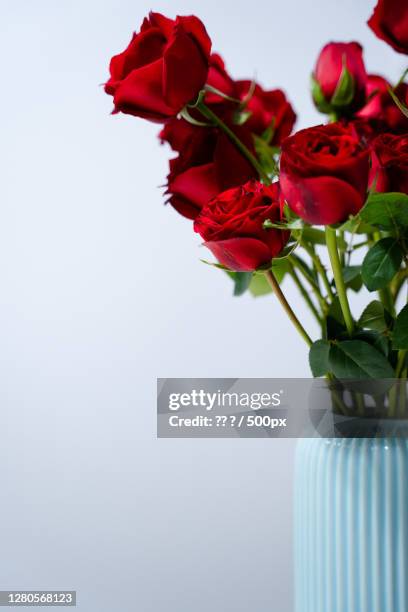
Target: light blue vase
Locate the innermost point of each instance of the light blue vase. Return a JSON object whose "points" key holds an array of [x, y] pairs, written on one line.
{"points": [[351, 525]]}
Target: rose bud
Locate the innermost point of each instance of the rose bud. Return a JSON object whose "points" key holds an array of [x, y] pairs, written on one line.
{"points": [[339, 80], [208, 163], [389, 170], [381, 107], [324, 173], [389, 22], [232, 225], [268, 109], [163, 68]]}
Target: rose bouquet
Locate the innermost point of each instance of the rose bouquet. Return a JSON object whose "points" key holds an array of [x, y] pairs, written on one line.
{"points": [[326, 206]]}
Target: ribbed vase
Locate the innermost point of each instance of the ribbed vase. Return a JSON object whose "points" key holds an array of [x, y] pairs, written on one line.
{"points": [[351, 525]]}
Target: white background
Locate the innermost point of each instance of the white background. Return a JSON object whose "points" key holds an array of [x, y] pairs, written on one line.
{"points": [[102, 291]]}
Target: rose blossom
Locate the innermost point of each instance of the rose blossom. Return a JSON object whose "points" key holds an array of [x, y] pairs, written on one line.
{"points": [[163, 68], [389, 170], [324, 173], [208, 163], [389, 22], [232, 226], [381, 107]]}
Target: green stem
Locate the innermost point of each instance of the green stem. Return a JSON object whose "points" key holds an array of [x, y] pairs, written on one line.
{"points": [[305, 296], [342, 254], [400, 363], [331, 241], [211, 116], [404, 74], [319, 267], [360, 244], [285, 305], [387, 301], [297, 262], [397, 283]]}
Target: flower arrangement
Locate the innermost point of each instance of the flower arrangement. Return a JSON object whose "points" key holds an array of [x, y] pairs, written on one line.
{"points": [[268, 202]]}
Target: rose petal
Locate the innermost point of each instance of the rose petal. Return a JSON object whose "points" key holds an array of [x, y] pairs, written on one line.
{"points": [[140, 94], [323, 200], [389, 22], [240, 254], [197, 185], [231, 167], [184, 207], [194, 26], [185, 70]]}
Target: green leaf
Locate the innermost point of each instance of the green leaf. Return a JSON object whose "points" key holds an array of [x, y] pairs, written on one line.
{"points": [[259, 286], [215, 265], [335, 324], [373, 317], [268, 134], [296, 224], [266, 155], [313, 235], [400, 334], [352, 277], [242, 280], [355, 225], [336, 312], [377, 340], [381, 263], [345, 90], [387, 211], [318, 96], [358, 360], [288, 213], [319, 358], [280, 266], [317, 236]]}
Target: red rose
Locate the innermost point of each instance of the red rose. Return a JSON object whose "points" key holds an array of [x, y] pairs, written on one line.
{"points": [[163, 68], [390, 23], [324, 173], [390, 163], [365, 130], [232, 226], [268, 109], [332, 92], [208, 163], [381, 107]]}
